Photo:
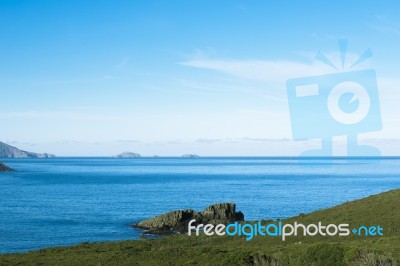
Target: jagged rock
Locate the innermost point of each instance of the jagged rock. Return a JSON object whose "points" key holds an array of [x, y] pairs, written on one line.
{"points": [[5, 168], [127, 154], [174, 220], [222, 212], [177, 221], [7, 151]]}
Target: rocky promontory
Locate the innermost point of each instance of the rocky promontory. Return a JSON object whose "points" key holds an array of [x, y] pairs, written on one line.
{"points": [[177, 221], [7, 151], [5, 168], [127, 154]]}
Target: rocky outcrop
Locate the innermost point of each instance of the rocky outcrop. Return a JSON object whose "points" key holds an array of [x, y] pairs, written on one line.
{"points": [[5, 168], [127, 155], [7, 151], [177, 221], [222, 212]]}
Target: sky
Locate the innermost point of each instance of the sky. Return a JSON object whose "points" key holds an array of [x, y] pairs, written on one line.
{"points": [[96, 78]]}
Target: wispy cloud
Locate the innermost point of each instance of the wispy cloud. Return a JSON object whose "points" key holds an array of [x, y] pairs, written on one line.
{"points": [[385, 24], [229, 87], [68, 141], [59, 116], [14, 143], [273, 71], [266, 139], [259, 70], [207, 141], [127, 141], [270, 71], [122, 63]]}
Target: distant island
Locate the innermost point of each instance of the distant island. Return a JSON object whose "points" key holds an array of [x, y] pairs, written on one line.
{"points": [[127, 154], [7, 151], [190, 156]]}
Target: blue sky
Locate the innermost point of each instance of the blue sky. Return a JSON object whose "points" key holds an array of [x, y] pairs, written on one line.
{"points": [[174, 77]]}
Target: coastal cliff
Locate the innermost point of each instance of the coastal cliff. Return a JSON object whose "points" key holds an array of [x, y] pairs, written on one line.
{"points": [[7, 151]]}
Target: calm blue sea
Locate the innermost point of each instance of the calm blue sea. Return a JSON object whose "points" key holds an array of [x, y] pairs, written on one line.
{"points": [[62, 201]]}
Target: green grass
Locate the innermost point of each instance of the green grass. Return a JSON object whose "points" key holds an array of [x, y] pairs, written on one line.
{"points": [[382, 209]]}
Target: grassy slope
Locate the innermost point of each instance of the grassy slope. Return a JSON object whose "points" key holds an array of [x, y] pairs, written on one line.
{"points": [[382, 209]]}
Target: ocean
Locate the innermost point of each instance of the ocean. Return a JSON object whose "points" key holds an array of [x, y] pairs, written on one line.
{"points": [[63, 201]]}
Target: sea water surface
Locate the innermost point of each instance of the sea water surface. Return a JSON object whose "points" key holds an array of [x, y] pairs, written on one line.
{"points": [[63, 201]]}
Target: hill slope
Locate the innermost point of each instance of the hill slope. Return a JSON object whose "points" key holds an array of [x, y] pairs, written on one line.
{"points": [[382, 209], [7, 151]]}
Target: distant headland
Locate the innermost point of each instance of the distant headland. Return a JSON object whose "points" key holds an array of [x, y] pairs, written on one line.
{"points": [[7, 151]]}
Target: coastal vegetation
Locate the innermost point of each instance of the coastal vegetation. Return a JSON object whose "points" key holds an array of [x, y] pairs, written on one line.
{"points": [[181, 249]]}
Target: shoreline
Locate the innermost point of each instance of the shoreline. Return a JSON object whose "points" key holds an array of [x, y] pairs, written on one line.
{"points": [[282, 189], [300, 250], [272, 157], [151, 236]]}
